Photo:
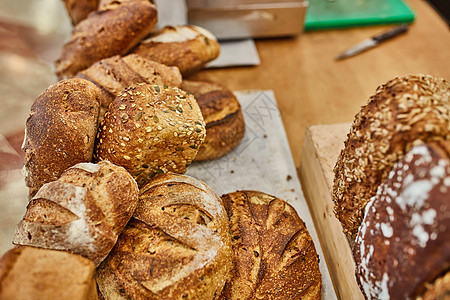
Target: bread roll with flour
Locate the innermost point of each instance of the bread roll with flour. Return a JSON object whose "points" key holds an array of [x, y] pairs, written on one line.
{"points": [[60, 131], [274, 255], [404, 112], [83, 212], [404, 240], [176, 246]]}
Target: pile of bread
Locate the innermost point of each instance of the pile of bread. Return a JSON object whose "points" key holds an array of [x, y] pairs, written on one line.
{"points": [[392, 190], [111, 215]]}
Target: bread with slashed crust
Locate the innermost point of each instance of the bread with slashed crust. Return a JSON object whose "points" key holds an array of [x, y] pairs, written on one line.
{"points": [[187, 47], [35, 274], [177, 245], [151, 129], [223, 116], [404, 112], [112, 75], [83, 212], [60, 130], [274, 255], [404, 239], [113, 30]]}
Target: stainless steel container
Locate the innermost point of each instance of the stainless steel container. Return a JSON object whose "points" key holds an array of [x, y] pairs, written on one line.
{"points": [[234, 19]]}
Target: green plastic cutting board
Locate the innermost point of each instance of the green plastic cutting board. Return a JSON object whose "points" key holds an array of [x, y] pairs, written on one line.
{"points": [[326, 14]]}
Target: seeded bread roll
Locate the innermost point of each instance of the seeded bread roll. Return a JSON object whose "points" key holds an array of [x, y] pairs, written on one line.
{"points": [[112, 75], [60, 131], [187, 47], [177, 245], [36, 274], [151, 129], [78, 10], [404, 112], [404, 239], [222, 112], [114, 30], [83, 212], [274, 255]]}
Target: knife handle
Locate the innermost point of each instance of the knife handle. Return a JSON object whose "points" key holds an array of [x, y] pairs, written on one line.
{"points": [[391, 33]]}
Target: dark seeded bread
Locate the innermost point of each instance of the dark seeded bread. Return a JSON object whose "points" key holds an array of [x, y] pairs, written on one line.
{"points": [[404, 239], [404, 112], [113, 30], [274, 255], [83, 212], [151, 129], [60, 130], [177, 245], [222, 112]]}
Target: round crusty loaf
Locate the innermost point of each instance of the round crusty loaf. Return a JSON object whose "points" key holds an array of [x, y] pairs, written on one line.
{"points": [[222, 112], [78, 10], [274, 255], [404, 239], [187, 47], [60, 130], [405, 111], [177, 245], [36, 274], [83, 212], [151, 129], [114, 30], [112, 75]]}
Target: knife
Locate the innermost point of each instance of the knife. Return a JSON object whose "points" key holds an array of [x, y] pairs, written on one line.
{"points": [[372, 42]]}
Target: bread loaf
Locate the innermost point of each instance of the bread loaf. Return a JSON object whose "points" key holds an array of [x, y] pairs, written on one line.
{"points": [[36, 274], [83, 212], [78, 10], [404, 112], [187, 47], [439, 289], [274, 255], [222, 112], [151, 129], [112, 75], [177, 245], [404, 239], [114, 30], [60, 130]]}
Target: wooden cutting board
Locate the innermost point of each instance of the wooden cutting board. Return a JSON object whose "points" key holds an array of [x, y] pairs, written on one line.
{"points": [[321, 147]]}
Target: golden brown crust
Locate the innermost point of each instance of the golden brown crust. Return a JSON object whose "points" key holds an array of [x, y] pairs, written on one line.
{"points": [[187, 47], [112, 75], [404, 112], [151, 129], [437, 290], [274, 255], [114, 30], [83, 212], [78, 10], [34, 274], [223, 116], [60, 130], [177, 245]]}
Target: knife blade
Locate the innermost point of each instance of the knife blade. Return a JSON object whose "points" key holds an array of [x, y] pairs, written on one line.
{"points": [[372, 42]]}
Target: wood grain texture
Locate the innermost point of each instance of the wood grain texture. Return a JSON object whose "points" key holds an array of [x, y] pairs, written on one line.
{"points": [[311, 88]]}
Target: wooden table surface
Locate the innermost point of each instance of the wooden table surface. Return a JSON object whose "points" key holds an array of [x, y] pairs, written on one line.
{"points": [[311, 88]]}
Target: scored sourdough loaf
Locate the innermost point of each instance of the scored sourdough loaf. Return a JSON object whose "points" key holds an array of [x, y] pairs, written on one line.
{"points": [[112, 75], [222, 112], [83, 212], [404, 112], [114, 30], [404, 240], [60, 130], [274, 255], [35, 274], [187, 47], [151, 129], [176, 246]]}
